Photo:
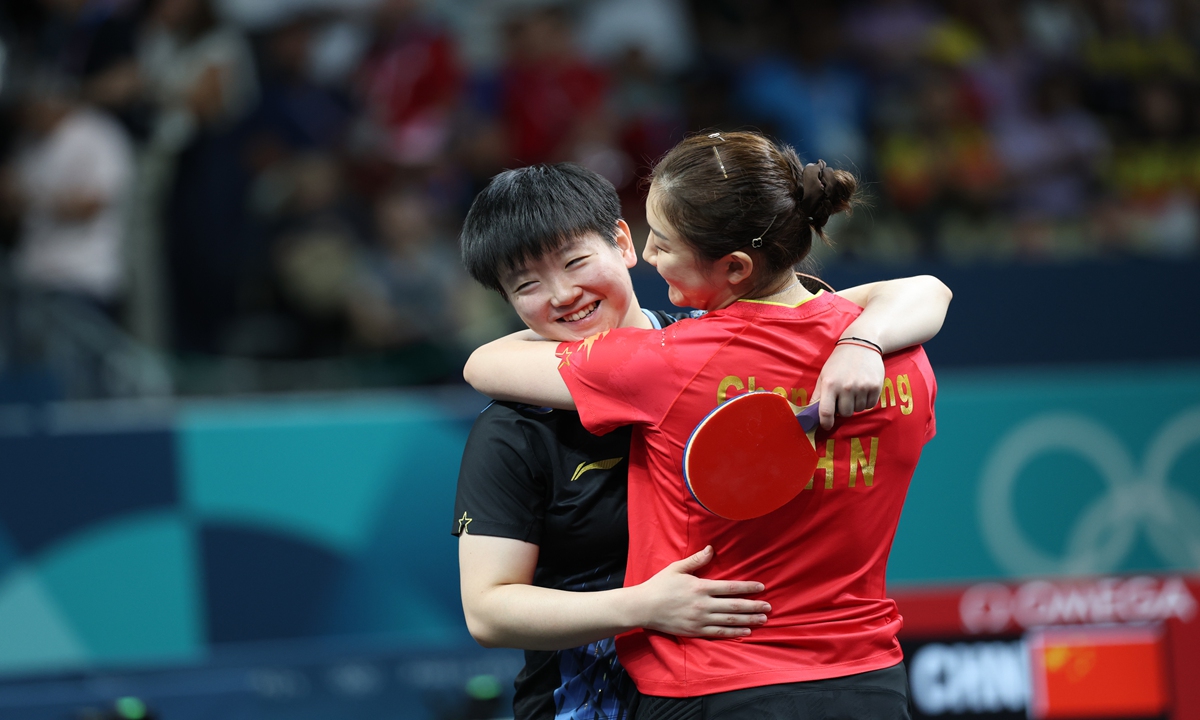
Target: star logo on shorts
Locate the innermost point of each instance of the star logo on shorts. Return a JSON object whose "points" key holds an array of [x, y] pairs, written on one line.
{"points": [[463, 523]]}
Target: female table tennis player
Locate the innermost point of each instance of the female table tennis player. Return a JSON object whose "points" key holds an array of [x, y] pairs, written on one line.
{"points": [[540, 507], [730, 216]]}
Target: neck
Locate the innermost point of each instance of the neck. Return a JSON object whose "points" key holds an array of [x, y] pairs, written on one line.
{"points": [[635, 318], [785, 290]]}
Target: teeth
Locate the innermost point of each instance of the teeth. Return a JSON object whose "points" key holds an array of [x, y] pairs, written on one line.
{"points": [[582, 313]]}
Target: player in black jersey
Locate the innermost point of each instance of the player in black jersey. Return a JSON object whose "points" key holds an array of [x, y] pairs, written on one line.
{"points": [[540, 509]]}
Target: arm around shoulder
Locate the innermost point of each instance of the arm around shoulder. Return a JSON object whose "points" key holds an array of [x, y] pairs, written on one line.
{"points": [[899, 313], [521, 367]]}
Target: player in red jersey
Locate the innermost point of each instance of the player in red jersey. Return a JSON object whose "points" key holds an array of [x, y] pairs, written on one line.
{"points": [[730, 216]]}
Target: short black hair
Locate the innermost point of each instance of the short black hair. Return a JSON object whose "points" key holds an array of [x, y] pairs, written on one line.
{"points": [[525, 213]]}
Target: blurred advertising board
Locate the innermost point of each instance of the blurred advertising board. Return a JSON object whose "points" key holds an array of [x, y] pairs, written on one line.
{"points": [[1106, 647]]}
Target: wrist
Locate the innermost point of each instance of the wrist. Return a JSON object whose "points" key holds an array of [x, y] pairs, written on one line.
{"points": [[630, 608], [859, 342]]}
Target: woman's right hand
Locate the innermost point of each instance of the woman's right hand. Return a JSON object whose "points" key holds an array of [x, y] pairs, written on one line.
{"points": [[675, 601]]}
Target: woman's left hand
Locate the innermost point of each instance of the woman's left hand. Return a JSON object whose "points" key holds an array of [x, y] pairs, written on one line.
{"points": [[850, 381]]}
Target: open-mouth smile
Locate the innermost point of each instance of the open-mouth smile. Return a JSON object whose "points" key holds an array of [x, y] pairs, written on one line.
{"points": [[581, 314]]}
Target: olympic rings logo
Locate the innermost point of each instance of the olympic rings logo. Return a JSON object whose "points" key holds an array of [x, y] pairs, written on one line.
{"points": [[1107, 529]]}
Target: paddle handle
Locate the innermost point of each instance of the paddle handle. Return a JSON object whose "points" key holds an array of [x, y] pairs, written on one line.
{"points": [[809, 416]]}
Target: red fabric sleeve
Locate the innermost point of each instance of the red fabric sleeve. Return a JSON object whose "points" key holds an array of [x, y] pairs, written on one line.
{"points": [[619, 377]]}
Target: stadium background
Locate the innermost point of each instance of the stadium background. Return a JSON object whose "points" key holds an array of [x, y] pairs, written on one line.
{"points": [[226, 472]]}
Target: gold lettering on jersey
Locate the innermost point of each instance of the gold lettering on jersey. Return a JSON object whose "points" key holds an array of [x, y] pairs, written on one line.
{"points": [[464, 522], [825, 465], [732, 381], [600, 465], [897, 393], [904, 390], [888, 393], [859, 462], [731, 385]]}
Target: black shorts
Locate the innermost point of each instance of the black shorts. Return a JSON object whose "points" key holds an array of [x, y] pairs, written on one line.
{"points": [[878, 695]]}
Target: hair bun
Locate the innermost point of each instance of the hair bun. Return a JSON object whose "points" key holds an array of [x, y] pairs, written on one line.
{"points": [[824, 192]]}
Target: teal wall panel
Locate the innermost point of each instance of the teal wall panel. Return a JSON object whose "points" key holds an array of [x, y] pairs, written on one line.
{"points": [[37, 634], [320, 470], [131, 588], [1056, 472]]}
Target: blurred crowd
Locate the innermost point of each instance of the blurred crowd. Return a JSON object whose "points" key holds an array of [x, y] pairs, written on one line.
{"points": [[284, 181]]}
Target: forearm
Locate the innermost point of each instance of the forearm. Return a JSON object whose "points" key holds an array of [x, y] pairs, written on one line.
{"points": [[521, 367], [538, 618], [901, 313]]}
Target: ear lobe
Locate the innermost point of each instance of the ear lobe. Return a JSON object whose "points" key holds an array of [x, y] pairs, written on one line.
{"points": [[624, 240], [739, 266]]}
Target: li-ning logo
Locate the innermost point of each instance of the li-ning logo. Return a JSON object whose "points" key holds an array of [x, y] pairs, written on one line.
{"points": [[1105, 531], [600, 465]]}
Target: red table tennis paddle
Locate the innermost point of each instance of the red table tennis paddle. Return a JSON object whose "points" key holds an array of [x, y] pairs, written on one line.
{"points": [[750, 456]]}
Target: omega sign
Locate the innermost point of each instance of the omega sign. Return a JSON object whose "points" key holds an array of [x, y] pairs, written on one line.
{"points": [[994, 608]]}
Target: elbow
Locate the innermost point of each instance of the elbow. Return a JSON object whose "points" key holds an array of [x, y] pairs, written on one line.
{"points": [[483, 632], [940, 289], [473, 370]]}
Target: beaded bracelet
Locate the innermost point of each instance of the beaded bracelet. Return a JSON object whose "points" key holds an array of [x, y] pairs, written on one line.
{"points": [[861, 343]]}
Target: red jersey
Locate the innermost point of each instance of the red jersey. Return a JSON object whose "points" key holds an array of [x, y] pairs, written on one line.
{"points": [[823, 556]]}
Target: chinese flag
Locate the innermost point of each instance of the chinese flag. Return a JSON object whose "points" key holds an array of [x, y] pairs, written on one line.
{"points": [[1098, 673]]}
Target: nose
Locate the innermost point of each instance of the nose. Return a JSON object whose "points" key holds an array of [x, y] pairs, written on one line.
{"points": [[650, 253], [564, 293]]}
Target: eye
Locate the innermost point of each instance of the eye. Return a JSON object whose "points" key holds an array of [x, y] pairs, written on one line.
{"points": [[577, 261], [524, 286]]}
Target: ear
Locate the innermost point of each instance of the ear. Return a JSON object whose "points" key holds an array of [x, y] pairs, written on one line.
{"points": [[624, 240], [737, 267]]}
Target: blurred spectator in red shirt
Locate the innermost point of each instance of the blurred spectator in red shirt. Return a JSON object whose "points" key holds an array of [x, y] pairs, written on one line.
{"points": [[411, 81], [548, 93]]}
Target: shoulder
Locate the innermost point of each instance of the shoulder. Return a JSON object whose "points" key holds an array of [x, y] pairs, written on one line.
{"points": [[661, 318], [836, 303], [512, 417], [95, 131]]}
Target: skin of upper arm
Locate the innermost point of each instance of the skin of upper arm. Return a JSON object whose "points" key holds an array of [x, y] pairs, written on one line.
{"points": [[860, 295], [518, 369], [484, 564], [900, 313]]}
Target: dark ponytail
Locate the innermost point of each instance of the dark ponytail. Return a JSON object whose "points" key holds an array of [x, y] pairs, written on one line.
{"points": [[739, 191]]}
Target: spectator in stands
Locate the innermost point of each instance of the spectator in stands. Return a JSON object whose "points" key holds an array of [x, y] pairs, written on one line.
{"points": [[1053, 153], [73, 174], [407, 288], [410, 84], [201, 76], [804, 89], [1155, 172], [891, 35], [548, 92], [199, 72], [96, 43]]}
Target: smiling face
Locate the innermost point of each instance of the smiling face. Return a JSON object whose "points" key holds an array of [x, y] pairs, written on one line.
{"points": [[578, 290], [692, 281]]}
